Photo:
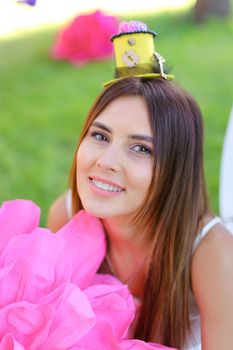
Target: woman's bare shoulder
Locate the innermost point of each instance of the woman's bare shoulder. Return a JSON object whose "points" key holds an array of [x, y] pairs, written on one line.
{"points": [[214, 250], [58, 215], [212, 286], [218, 241], [212, 271]]}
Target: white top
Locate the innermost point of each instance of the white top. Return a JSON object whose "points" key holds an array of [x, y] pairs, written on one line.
{"points": [[69, 203]]}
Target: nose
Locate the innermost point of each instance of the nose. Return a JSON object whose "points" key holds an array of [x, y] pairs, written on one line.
{"points": [[109, 160]]}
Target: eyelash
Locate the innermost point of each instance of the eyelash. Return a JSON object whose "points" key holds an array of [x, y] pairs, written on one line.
{"points": [[143, 149], [101, 137]]}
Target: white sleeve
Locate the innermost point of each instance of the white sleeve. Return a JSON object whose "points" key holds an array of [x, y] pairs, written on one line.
{"points": [[69, 203]]}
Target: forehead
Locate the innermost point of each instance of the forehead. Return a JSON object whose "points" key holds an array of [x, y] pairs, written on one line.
{"points": [[128, 112]]}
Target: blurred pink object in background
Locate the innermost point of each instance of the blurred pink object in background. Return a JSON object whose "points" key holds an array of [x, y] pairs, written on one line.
{"points": [[86, 38]]}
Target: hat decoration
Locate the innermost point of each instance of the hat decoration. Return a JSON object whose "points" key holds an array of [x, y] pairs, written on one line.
{"points": [[135, 53], [27, 2]]}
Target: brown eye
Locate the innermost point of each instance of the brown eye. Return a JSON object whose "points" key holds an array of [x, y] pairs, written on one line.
{"points": [[142, 149], [99, 136]]}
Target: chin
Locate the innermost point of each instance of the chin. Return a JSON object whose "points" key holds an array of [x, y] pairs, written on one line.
{"points": [[96, 211], [101, 211]]}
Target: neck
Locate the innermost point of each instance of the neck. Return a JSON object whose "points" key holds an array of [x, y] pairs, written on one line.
{"points": [[124, 240], [127, 252]]}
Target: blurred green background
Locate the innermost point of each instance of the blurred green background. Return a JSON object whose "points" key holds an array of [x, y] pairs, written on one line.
{"points": [[43, 102]]}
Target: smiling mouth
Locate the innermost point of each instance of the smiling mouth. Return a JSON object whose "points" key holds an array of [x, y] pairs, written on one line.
{"points": [[105, 187]]}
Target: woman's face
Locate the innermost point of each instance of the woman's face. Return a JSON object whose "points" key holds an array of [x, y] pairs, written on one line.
{"points": [[115, 159]]}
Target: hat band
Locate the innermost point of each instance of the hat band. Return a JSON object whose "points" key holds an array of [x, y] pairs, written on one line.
{"points": [[140, 69]]}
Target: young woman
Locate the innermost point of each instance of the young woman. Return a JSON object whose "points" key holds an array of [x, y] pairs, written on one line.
{"points": [[139, 169]]}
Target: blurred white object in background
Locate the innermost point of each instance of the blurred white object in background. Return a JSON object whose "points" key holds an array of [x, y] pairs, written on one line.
{"points": [[16, 19], [226, 177]]}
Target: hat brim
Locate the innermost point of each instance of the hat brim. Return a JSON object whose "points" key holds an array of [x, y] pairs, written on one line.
{"points": [[148, 75]]}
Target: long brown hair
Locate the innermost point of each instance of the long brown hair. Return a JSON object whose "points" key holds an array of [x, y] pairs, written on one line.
{"points": [[175, 204]]}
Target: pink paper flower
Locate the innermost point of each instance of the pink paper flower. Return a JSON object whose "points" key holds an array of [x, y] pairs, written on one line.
{"points": [[51, 296], [86, 38]]}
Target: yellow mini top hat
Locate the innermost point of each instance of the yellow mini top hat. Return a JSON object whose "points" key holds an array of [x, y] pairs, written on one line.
{"points": [[135, 53]]}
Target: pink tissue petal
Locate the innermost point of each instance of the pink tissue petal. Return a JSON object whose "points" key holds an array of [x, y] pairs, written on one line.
{"points": [[29, 323], [113, 305], [102, 337], [73, 254], [17, 217], [74, 317], [85, 247], [43, 252], [15, 282], [9, 343]]}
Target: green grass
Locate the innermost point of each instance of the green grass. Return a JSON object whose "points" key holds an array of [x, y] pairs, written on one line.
{"points": [[43, 103]]}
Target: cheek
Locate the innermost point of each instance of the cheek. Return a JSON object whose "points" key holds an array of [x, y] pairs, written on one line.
{"points": [[146, 181], [141, 176], [81, 167], [83, 157]]}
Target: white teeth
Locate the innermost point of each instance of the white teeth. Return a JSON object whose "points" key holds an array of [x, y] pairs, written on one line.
{"points": [[105, 186]]}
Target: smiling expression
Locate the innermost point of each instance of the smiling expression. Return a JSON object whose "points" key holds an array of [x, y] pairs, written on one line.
{"points": [[115, 159]]}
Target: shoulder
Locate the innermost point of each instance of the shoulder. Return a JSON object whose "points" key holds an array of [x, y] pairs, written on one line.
{"points": [[212, 271], [216, 247], [58, 213], [214, 255]]}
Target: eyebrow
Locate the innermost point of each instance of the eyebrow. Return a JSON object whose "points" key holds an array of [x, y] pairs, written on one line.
{"points": [[131, 136], [101, 126]]}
